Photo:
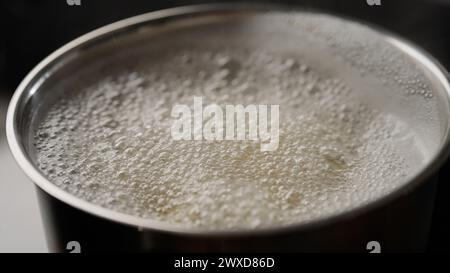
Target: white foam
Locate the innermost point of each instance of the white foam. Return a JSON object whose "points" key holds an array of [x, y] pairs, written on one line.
{"points": [[110, 144]]}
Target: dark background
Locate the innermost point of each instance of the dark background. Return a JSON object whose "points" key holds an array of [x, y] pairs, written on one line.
{"points": [[32, 29]]}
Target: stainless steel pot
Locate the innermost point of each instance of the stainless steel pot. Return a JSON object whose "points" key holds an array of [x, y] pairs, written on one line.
{"points": [[399, 221]]}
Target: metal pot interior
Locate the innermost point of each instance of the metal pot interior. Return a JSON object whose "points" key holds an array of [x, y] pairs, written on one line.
{"points": [[383, 71]]}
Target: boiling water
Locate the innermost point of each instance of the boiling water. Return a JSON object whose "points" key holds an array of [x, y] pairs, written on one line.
{"points": [[110, 143]]}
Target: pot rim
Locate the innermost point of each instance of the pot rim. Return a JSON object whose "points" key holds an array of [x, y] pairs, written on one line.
{"points": [[27, 88]]}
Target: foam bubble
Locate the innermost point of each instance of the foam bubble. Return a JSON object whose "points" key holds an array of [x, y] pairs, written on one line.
{"points": [[110, 144]]}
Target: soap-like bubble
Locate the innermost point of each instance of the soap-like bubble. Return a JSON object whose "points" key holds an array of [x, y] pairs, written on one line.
{"points": [[110, 143]]}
